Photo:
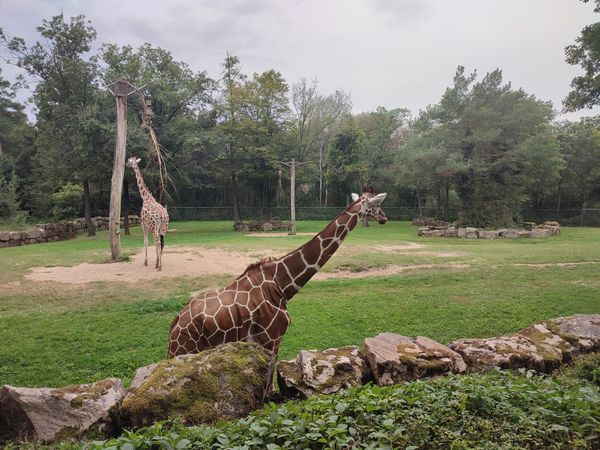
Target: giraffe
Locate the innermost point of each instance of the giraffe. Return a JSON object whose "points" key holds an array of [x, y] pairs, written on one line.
{"points": [[253, 308], [154, 216]]}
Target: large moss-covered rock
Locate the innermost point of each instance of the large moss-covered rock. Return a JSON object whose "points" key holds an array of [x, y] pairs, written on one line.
{"points": [[582, 331], [394, 358], [328, 371], [224, 382], [50, 414]]}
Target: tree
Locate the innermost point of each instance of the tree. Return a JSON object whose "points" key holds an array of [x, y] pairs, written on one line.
{"points": [[315, 120], [66, 100], [580, 175], [483, 140], [347, 167], [585, 52]]}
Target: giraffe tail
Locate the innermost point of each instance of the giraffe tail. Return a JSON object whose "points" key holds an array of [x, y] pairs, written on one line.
{"points": [[162, 242]]}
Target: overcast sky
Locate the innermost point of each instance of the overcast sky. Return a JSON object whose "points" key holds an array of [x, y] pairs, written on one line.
{"points": [[392, 53]]}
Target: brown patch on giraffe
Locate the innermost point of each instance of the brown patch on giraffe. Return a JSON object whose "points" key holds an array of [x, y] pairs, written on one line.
{"points": [[277, 234]]}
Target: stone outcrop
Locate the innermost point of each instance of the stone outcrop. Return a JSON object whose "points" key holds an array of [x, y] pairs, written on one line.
{"points": [[542, 347], [51, 414], [60, 231], [531, 231], [394, 358], [225, 382], [272, 225], [315, 372]]}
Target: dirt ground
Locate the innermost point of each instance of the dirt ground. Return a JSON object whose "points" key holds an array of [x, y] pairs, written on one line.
{"points": [[198, 261]]}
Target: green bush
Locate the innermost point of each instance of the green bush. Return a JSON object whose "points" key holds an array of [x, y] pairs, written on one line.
{"points": [[584, 367], [498, 410], [67, 202]]}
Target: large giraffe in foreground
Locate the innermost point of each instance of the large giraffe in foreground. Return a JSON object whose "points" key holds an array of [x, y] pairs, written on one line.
{"points": [[153, 217], [253, 308]]}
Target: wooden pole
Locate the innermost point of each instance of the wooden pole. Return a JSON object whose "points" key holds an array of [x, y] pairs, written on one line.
{"points": [[293, 197], [121, 88]]}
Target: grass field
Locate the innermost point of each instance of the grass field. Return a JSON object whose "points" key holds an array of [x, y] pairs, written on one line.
{"points": [[54, 334]]}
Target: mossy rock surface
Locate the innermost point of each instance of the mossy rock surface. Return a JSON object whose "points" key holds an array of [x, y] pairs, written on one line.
{"points": [[221, 383]]}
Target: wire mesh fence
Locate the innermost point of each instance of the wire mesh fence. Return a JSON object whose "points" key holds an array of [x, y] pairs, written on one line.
{"points": [[573, 216]]}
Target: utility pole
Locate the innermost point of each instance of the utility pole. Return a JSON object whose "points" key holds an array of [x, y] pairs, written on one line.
{"points": [[121, 91], [292, 165]]}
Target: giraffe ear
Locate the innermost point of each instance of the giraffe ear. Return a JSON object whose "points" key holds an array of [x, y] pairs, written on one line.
{"points": [[377, 200], [354, 196], [139, 160]]}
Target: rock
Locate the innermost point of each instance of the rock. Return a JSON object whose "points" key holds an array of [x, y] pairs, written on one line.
{"points": [[528, 225], [14, 235], [267, 226], [552, 223], [505, 352], [4, 236], [509, 233], [51, 414], [581, 330], [141, 375], [225, 382], [524, 234], [423, 230], [461, 232], [552, 229], [394, 358], [471, 233], [538, 233], [315, 372], [451, 232], [485, 234]]}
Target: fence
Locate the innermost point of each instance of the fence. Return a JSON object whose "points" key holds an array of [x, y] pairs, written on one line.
{"points": [[586, 217]]}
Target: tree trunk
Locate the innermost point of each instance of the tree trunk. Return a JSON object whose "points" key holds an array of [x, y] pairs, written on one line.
{"points": [[558, 194], [237, 217], [419, 203], [91, 229], [126, 207], [447, 202]]}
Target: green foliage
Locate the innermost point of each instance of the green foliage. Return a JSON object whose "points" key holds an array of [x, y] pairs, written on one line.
{"points": [[346, 168], [490, 411], [583, 367], [67, 201], [585, 52]]}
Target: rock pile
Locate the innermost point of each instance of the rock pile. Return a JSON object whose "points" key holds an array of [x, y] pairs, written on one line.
{"points": [[536, 231], [272, 225], [60, 231]]}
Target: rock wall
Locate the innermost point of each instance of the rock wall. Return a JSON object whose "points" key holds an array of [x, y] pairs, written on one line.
{"points": [[273, 225], [531, 231], [234, 378], [60, 231]]}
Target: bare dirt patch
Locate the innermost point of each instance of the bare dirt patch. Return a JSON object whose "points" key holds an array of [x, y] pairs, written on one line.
{"points": [[276, 234], [385, 271], [200, 261], [177, 262], [562, 264]]}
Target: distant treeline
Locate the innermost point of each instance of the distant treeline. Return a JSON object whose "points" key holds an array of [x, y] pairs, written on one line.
{"points": [[485, 149]]}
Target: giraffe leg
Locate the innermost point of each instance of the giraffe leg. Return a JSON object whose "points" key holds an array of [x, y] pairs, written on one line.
{"points": [[145, 248], [158, 264]]}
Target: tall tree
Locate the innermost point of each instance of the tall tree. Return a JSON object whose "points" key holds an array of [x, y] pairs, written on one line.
{"points": [[66, 101], [585, 52]]}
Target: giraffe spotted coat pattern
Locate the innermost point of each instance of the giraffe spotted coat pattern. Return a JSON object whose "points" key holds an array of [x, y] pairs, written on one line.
{"points": [[153, 217], [253, 308]]}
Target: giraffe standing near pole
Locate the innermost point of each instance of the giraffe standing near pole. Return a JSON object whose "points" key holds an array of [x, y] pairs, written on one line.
{"points": [[154, 216], [253, 308]]}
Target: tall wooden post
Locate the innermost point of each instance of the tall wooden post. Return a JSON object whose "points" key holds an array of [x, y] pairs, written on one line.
{"points": [[293, 197], [121, 88]]}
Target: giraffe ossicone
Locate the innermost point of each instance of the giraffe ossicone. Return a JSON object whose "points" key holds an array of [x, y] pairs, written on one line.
{"points": [[253, 308], [153, 217]]}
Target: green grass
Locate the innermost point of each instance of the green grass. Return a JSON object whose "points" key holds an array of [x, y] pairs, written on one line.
{"points": [[55, 334]]}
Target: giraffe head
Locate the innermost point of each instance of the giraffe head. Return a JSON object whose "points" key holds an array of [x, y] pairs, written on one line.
{"points": [[369, 204], [133, 162]]}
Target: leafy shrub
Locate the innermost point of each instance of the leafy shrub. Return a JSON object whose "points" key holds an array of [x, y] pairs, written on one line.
{"points": [[498, 410], [584, 367], [67, 201]]}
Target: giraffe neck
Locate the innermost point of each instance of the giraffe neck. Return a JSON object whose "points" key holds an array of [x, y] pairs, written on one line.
{"points": [[144, 191], [296, 268]]}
